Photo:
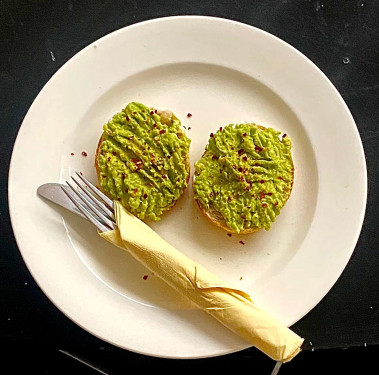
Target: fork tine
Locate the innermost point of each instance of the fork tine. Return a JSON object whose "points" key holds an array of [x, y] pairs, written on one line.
{"points": [[85, 212], [95, 210], [100, 205], [108, 202]]}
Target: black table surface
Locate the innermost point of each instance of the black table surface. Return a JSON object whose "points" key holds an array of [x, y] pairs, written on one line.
{"points": [[38, 37]]}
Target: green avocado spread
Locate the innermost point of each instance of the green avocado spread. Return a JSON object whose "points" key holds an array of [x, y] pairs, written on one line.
{"points": [[246, 174], [143, 160]]}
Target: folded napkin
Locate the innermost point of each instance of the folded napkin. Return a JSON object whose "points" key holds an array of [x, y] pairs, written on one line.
{"points": [[230, 306]]}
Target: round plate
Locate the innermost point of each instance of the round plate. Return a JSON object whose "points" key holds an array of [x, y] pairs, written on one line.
{"points": [[221, 72]]}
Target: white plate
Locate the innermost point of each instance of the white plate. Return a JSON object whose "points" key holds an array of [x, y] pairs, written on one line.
{"points": [[221, 72]]}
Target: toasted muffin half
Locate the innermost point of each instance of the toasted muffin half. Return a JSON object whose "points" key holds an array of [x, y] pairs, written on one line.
{"points": [[142, 160], [244, 177]]}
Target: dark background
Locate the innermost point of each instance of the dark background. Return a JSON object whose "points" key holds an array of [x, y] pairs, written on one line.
{"points": [[341, 37]]}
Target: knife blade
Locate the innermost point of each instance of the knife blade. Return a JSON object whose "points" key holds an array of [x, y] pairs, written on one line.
{"points": [[54, 193]]}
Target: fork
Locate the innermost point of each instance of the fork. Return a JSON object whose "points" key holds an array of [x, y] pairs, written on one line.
{"points": [[91, 202], [98, 209]]}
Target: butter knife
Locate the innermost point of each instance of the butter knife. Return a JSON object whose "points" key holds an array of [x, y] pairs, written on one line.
{"points": [[54, 193]]}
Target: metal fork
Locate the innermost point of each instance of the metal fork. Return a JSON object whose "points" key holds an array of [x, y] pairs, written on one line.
{"points": [[98, 209], [91, 202]]}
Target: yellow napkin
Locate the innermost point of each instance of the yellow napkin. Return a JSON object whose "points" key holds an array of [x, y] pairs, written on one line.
{"points": [[230, 306]]}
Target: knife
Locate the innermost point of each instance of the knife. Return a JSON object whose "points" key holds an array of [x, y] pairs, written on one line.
{"points": [[54, 193]]}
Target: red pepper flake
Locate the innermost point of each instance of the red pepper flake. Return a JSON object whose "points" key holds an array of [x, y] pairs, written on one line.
{"points": [[109, 158], [162, 131], [156, 111], [242, 243], [72, 154], [81, 173], [239, 169], [143, 111], [243, 217], [119, 199], [276, 203], [104, 176], [244, 135], [259, 149], [220, 128], [168, 157], [280, 178], [244, 158], [284, 135], [269, 194], [145, 196], [234, 167], [84, 153], [151, 113], [262, 195], [189, 128], [211, 135], [262, 181], [114, 153], [229, 234], [137, 162], [211, 194], [155, 125], [229, 199], [240, 151], [214, 157], [189, 114], [127, 118], [252, 170], [145, 277], [264, 205]]}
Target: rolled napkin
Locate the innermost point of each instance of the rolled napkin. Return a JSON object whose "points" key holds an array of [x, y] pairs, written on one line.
{"points": [[230, 306]]}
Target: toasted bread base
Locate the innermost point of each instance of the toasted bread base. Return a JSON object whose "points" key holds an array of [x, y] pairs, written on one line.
{"points": [[216, 217], [97, 167]]}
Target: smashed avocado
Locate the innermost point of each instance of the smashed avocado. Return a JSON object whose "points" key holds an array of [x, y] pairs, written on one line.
{"points": [[143, 160], [246, 174]]}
